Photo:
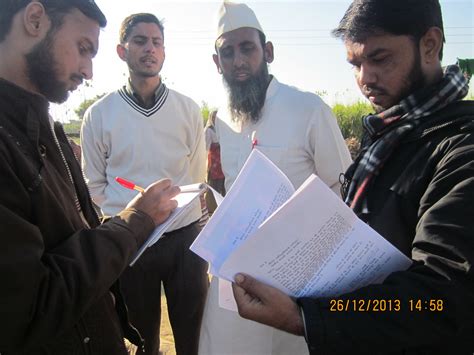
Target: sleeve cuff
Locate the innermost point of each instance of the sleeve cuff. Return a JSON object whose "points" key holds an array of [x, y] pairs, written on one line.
{"points": [[314, 329], [304, 323], [138, 222]]}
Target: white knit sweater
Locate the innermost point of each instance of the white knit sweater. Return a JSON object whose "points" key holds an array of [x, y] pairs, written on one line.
{"points": [[119, 138]]}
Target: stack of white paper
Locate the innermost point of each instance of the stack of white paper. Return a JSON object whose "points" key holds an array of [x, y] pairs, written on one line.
{"points": [[306, 243]]}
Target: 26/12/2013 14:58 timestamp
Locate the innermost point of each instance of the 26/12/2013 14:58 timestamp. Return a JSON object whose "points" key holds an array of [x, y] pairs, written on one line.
{"points": [[386, 305]]}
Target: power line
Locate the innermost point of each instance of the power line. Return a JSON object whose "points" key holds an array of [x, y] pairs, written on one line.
{"points": [[195, 44], [338, 44], [300, 37], [292, 29]]}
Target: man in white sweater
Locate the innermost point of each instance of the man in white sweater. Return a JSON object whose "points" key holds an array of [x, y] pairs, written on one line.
{"points": [[143, 132], [295, 129]]}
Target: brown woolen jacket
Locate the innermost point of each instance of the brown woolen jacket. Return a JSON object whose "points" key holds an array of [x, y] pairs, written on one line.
{"points": [[55, 271]]}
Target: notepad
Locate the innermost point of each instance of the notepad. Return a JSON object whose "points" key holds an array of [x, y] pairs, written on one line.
{"points": [[189, 193]]}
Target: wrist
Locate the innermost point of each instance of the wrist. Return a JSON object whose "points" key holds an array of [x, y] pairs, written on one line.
{"points": [[295, 324]]}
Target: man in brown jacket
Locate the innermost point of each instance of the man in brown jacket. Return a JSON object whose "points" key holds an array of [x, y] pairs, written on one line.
{"points": [[58, 265]]}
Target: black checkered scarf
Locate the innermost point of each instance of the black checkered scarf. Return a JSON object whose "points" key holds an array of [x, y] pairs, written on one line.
{"points": [[383, 132]]}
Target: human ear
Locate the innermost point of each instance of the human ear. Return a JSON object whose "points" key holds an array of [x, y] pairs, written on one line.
{"points": [[430, 45], [35, 19], [122, 52], [268, 52], [215, 58]]}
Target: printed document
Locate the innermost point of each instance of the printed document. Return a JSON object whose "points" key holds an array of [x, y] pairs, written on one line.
{"points": [[258, 191], [305, 243]]}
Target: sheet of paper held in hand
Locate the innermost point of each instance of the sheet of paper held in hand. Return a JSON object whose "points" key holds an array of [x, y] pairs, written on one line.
{"points": [[185, 199], [312, 245]]}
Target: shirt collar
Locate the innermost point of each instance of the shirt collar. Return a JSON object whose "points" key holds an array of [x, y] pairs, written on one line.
{"points": [[130, 91], [272, 88]]}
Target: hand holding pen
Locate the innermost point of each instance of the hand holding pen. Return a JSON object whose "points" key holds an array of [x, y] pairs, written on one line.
{"points": [[156, 200]]}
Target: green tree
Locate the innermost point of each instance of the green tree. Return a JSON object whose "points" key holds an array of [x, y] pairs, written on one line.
{"points": [[205, 110], [85, 105]]}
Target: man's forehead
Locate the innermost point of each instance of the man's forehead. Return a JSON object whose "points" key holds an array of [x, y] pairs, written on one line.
{"points": [[77, 23], [382, 39], [146, 29], [370, 44], [354, 46], [235, 37]]}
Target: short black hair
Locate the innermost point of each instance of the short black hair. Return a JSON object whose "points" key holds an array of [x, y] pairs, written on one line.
{"points": [[263, 38], [365, 18], [56, 9], [131, 21]]}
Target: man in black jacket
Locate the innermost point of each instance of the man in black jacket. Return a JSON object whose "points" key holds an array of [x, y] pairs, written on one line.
{"points": [[58, 265], [413, 182]]}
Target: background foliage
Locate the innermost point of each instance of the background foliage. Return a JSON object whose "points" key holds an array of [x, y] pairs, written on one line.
{"points": [[349, 118], [85, 105]]}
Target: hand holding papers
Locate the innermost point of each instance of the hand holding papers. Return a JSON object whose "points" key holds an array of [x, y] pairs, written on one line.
{"points": [[309, 244]]}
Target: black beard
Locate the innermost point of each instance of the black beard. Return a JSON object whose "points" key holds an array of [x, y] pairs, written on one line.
{"points": [[415, 81], [41, 70], [246, 99]]}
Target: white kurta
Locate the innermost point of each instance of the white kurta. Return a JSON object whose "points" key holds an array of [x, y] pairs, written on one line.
{"points": [[119, 138], [299, 133]]}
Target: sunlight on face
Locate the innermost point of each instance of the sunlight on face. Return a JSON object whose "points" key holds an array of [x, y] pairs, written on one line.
{"points": [[387, 68], [240, 54], [63, 59], [145, 50]]}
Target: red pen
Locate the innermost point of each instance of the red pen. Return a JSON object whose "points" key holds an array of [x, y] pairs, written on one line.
{"points": [[254, 140], [129, 185]]}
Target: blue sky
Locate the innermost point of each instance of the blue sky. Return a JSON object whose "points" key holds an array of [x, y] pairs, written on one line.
{"points": [[306, 55]]}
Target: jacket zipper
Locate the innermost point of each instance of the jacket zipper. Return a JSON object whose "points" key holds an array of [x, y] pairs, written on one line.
{"points": [[430, 130], [88, 194], [71, 180]]}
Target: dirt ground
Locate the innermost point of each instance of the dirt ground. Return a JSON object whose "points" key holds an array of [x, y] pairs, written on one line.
{"points": [[166, 334]]}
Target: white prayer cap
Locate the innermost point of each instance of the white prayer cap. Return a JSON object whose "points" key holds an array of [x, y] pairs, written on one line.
{"points": [[232, 16]]}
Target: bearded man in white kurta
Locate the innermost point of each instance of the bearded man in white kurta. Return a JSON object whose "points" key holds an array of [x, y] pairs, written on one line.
{"points": [[295, 129]]}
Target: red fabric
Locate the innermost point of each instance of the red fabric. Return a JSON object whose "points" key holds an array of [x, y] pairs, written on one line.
{"points": [[214, 162]]}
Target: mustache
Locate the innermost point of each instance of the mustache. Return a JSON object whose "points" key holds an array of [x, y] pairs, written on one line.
{"points": [[78, 78], [373, 90], [148, 57], [244, 69]]}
